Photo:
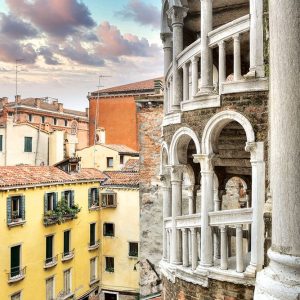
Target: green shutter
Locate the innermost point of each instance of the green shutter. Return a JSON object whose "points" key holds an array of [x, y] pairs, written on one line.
{"points": [[97, 196], [90, 198], [27, 144], [8, 210], [45, 203], [55, 200], [22, 208], [72, 198], [1, 142], [63, 196]]}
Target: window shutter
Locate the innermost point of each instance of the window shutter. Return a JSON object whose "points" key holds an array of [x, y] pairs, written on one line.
{"points": [[23, 207], [45, 202], [8, 209], [55, 200], [97, 196], [72, 198], [90, 198], [63, 196]]}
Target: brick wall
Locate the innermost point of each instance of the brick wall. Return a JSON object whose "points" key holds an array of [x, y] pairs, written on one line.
{"points": [[149, 120]]}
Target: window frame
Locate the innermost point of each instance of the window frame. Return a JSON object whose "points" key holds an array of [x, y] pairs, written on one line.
{"points": [[19, 259], [105, 230], [1, 142], [28, 147], [108, 160], [30, 118], [110, 269], [19, 293], [49, 259], [69, 271], [18, 218], [130, 254], [53, 288], [105, 199], [69, 252], [93, 277]]}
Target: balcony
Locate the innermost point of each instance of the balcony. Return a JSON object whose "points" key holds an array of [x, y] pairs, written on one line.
{"points": [[51, 262], [94, 246], [64, 295], [16, 274], [66, 256], [16, 221], [93, 280]]}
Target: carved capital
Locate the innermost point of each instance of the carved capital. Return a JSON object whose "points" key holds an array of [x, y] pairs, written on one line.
{"points": [[206, 161], [176, 172], [256, 150], [177, 14], [166, 39]]}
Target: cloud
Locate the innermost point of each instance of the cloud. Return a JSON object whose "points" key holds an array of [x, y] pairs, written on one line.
{"points": [[55, 17], [13, 27], [48, 56], [113, 44], [142, 13]]}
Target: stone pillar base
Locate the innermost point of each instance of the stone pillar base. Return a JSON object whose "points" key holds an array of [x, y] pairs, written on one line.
{"points": [[280, 280]]}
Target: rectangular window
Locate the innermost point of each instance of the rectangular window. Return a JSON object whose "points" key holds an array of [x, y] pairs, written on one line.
{"points": [[50, 288], [15, 261], [109, 162], [109, 199], [50, 201], [15, 209], [92, 234], [68, 197], [43, 119], [133, 249], [109, 229], [55, 121], [66, 123], [28, 144], [121, 159], [93, 197], [30, 117], [67, 282], [1, 143], [49, 249], [109, 264], [93, 269], [16, 296], [67, 242]]}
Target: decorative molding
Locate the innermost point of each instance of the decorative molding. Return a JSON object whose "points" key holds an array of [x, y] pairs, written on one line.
{"points": [[188, 221], [170, 119], [231, 217], [248, 85], [201, 101]]}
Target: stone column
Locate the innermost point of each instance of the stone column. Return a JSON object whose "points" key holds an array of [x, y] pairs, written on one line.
{"points": [[222, 63], [194, 248], [239, 249], [237, 58], [176, 182], [177, 14], [185, 247], [206, 52], [258, 200], [195, 61], [281, 279], [167, 47], [168, 245], [190, 193], [256, 39], [224, 248], [207, 205], [185, 70]]}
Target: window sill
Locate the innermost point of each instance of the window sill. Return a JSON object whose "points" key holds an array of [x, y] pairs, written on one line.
{"points": [[67, 296], [133, 257], [109, 271], [94, 281], [109, 236], [16, 278], [17, 223], [67, 257], [50, 264], [94, 208], [93, 247], [109, 206]]}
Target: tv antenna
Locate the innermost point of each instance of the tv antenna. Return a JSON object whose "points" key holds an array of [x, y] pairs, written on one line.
{"points": [[17, 71]]}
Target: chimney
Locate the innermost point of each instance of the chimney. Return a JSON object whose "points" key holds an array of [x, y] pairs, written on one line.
{"points": [[3, 101], [87, 111], [158, 86], [55, 103], [37, 102], [60, 107], [18, 99]]}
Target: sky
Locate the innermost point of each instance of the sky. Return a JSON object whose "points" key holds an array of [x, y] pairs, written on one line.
{"points": [[62, 46]]}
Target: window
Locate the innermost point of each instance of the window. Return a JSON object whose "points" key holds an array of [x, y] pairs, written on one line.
{"points": [[67, 282], [28, 144], [110, 296], [93, 197], [109, 229], [30, 117], [109, 162], [49, 249], [15, 261], [66, 123], [109, 264], [92, 234], [68, 197], [121, 159], [74, 127], [50, 288], [15, 209], [55, 121], [93, 269], [16, 296], [133, 249], [43, 119], [109, 199], [1, 143], [50, 201], [67, 242]]}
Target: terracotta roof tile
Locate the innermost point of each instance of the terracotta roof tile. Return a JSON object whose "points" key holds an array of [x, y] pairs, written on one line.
{"points": [[121, 178], [135, 87], [131, 165], [14, 176], [122, 149]]}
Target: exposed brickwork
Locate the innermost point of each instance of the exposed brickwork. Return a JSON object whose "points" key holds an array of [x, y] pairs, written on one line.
{"points": [[217, 290], [149, 120]]}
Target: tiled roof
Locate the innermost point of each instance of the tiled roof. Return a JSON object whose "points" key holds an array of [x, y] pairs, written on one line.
{"points": [[122, 149], [131, 88], [121, 178], [30, 102], [15, 176], [131, 165]]}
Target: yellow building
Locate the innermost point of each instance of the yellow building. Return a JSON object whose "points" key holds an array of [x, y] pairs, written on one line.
{"points": [[109, 157], [120, 228], [49, 249]]}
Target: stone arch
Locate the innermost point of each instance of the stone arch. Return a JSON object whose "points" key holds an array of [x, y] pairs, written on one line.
{"points": [[164, 18], [181, 139], [215, 125], [164, 157], [188, 176]]}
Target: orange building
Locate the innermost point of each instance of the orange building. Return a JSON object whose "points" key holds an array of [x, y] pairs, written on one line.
{"points": [[115, 112]]}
